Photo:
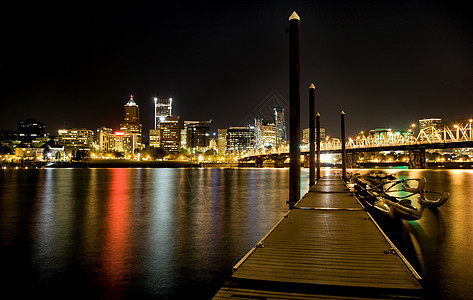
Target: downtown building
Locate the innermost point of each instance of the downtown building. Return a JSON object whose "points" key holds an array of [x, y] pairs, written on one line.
{"points": [[30, 129], [166, 127], [265, 134], [75, 139], [126, 140], [113, 142], [306, 135], [238, 139], [195, 135], [131, 127]]}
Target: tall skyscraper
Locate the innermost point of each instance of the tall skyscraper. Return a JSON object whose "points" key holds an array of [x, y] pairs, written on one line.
{"points": [[162, 109], [258, 133], [131, 123], [166, 127], [280, 126]]}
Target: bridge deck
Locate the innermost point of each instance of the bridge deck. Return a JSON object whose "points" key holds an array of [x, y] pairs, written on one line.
{"points": [[326, 247]]}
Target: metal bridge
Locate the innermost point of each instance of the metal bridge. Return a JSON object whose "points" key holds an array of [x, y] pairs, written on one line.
{"points": [[451, 134]]}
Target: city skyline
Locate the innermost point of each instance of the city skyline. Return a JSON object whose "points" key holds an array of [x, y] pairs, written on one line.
{"points": [[385, 64]]}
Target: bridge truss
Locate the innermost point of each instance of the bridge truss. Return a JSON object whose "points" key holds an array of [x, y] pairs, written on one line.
{"points": [[446, 133]]}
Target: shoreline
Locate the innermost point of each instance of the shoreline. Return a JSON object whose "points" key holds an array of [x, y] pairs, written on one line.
{"points": [[123, 163]]}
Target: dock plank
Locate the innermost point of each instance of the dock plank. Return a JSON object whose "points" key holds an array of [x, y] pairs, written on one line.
{"points": [[326, 246]]}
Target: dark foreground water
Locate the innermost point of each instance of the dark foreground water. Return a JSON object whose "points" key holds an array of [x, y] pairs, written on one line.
{"points": [[176, 233]]}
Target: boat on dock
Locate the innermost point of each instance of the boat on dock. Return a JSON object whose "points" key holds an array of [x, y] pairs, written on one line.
{"points": [[395, 197]]}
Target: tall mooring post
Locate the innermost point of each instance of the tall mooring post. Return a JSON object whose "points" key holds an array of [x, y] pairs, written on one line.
{"points": [[344, 151], [317, 124], [311, 135], [294, 111]]}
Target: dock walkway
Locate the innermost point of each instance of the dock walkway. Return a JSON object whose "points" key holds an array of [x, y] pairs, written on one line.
{"points": [[327, 247]]}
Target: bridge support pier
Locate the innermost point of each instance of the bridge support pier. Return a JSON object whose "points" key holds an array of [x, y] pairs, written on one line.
{"points": [[417, 159], [352, 160], [259, 162], [279, 161]]}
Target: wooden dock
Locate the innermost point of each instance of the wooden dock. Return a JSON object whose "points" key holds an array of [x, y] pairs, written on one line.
{"points": [[327, 247]]}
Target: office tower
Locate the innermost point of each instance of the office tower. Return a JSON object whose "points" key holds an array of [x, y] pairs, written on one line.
{"points": [[269, 134], [30, 129], [162, 109], [131, 123], [169, 134], [197, 134], [258, 133], [166, 127], [239, 139], [76, 138], [306, 135], [280, 126], [115, 142]]}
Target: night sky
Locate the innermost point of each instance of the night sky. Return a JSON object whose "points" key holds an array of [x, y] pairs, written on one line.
{"points": [[385, 63]]}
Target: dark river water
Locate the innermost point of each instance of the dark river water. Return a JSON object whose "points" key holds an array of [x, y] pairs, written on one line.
{"points": [[176, 233]]}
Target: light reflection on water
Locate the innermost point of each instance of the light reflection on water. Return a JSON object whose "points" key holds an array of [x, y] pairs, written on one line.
{"points": [[172, 233]]}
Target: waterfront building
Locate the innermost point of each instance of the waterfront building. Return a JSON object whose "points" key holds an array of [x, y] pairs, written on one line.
{"points": [[221, 140], [154, 137], [280, 124], [75, 138], [239, 139], [131, 124], [117, 141], [25, 151], [169, 134], [30, 129], [197, 134]]}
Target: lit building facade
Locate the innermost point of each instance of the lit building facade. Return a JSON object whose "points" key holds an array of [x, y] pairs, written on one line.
{"points": [[26, 152], [76, 138], [169, 134], [197, 134], [131, 124], [280, 124], [221, 140], [166, 127], [239, 139], [118, 141], [265, 134], [154, 138], [306, 135], [162, 109]]}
